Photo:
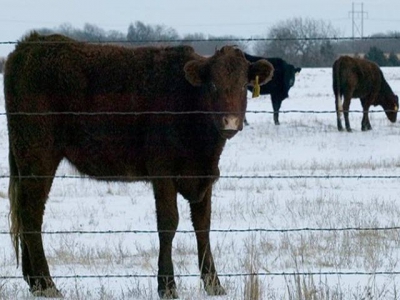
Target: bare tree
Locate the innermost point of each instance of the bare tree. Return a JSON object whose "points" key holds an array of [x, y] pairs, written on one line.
{"points": [[302, 41], [198, 41], [140, 33], [89, 33], [206, 45]]}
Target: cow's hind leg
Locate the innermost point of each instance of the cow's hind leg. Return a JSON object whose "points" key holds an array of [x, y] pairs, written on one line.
{"points": [[29, 188], [201, 217], [346, 108], [165, 194], [339, 111]]}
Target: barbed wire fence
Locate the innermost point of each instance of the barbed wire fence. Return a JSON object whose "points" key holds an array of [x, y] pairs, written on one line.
{"points": [[250, 177]]}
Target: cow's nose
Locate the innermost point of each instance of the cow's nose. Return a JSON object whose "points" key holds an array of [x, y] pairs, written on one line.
{"points": [[231, 122]]}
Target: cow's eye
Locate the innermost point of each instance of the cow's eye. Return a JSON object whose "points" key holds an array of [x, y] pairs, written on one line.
{"points": [[213, 87]]}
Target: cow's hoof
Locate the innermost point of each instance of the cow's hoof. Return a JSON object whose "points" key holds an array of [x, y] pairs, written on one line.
{"points": [[168, 294], [215, 290], [47, 293]]}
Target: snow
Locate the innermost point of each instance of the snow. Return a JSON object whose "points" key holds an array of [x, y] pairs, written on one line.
{"points": [[306, 143]]}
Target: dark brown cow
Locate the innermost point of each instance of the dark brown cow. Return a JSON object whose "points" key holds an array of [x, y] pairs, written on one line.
{"points": [[361, 78], [121, 114]]}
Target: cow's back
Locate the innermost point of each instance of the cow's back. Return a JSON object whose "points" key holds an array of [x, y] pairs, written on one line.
{"points": [[358, 77], [94, 103], [69, 71]]}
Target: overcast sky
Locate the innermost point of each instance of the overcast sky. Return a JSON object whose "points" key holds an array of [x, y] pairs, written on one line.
{"points": [[250, 18]]}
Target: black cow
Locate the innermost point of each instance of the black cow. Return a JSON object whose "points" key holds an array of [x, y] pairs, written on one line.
{"points": [[279, 86]]}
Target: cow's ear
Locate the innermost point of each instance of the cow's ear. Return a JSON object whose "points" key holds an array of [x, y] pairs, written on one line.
{"points": [[261, 68], [194, 72]]}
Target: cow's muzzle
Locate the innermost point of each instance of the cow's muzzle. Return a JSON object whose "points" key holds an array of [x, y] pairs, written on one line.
{"points": [[231, 124], [227, 134]]}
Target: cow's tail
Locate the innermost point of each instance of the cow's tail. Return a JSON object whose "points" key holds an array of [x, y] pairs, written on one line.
{"points": [[336, 87], [14, 189]]}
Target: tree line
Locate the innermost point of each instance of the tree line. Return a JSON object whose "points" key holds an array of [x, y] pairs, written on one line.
{"points": [[303, 42], [139, 34], [316, 43]]}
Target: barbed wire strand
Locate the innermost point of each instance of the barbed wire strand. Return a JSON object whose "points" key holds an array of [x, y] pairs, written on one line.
{"points": [[139, 113], [111, 276], [178, 177], [261, 230], [250, 39]]}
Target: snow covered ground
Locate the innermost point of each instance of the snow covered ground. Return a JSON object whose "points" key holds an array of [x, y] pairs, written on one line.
{"points": [[253, 217]]}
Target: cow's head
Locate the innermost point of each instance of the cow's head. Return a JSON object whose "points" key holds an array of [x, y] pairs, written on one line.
{"points": [[290, 75], [390, 104], [223, 79]]}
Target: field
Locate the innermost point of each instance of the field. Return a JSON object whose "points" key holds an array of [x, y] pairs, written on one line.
{"points": [[306, 208]]}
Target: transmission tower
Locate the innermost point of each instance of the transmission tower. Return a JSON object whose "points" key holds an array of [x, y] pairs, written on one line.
{"points": [[357, 19]]}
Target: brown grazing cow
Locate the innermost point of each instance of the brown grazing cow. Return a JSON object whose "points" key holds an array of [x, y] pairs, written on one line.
{"points": [[160, 115], [361, 78]]}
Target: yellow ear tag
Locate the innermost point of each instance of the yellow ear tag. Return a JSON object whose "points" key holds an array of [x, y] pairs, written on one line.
{"points": [[256, 88]]}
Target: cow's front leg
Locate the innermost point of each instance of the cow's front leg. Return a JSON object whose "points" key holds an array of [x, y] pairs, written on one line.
{"points": [[365, 124], [276, 105], [167, 222], [339, 124], [201, 218]]}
